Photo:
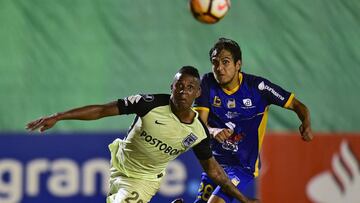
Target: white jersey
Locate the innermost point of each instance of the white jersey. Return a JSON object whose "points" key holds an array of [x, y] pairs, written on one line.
{"points": [[156, 137]]}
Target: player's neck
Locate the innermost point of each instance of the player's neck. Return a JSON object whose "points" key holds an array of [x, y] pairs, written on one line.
{"points": [[184, 115], [233, 85]]}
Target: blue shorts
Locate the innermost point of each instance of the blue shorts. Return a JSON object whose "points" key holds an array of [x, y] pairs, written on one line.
{"points": [[245, 183]]}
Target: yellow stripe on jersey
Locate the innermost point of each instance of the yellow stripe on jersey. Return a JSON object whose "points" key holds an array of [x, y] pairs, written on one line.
{"points": [[230, 92], [261, 134], [201, 108], [287, 104]]}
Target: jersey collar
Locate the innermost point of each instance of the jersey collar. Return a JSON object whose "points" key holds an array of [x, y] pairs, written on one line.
{"points": [[176, 118], [230, 92]]}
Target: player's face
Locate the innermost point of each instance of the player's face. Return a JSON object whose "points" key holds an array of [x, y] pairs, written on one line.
{"points": [[226, 71], [185, 89]]}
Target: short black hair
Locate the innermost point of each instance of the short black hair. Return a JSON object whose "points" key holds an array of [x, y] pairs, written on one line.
{"points": [[190, 70], [229, 45]]}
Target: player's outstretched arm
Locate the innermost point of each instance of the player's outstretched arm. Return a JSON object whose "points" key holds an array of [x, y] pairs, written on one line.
{"points": [[304, 115], [217, 174], [91, 112]]}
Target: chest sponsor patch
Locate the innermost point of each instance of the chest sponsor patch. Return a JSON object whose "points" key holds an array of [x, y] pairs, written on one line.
{"points": [[217, 101], [231, 115], [159, 144], [247, 102], [231, 103]]}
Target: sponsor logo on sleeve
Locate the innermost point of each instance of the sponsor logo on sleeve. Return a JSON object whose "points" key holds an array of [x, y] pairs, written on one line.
{"points": [[263, 86], [148, 97], [133, 99], [136, 98]]}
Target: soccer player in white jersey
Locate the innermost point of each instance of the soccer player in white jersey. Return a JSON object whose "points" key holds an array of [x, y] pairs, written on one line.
{"points": [[164, 127]]}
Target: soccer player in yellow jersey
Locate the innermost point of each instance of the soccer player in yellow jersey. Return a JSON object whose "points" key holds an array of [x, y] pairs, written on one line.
{"points": [[164, 127], [235, 107]]}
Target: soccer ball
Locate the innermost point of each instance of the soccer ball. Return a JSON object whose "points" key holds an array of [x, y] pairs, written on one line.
{"points": [[209, 11]]}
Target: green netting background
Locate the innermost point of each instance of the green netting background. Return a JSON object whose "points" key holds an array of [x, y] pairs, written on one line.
{"points": [[59, 54]]}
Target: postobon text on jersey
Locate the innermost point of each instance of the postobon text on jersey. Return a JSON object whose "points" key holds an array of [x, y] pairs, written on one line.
{"points": [[162, 146]]}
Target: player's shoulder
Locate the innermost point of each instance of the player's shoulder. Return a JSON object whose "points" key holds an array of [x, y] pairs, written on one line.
{"points": [[208, 78], [157, 99], [151, 100], [161, 97], [252, 80], [141, 104]]}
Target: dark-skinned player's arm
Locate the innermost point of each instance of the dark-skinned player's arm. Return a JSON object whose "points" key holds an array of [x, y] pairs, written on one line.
{"points": [[304, 115], [90, 112], [217, 174]]}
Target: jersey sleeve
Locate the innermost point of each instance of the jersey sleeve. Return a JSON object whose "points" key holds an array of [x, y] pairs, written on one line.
{"points": [[203, 150], [141, 104], [203, 102], [273, 93]]}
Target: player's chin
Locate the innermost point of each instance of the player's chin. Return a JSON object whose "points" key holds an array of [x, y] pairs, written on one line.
{"points": [[221, 80], [183, 104]]}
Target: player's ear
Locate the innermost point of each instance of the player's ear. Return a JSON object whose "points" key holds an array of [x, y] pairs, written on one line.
{"points": [[238, 65], [198, 93]]}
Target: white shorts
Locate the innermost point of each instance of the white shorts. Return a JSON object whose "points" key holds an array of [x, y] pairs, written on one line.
{"points": [[130, 190]]}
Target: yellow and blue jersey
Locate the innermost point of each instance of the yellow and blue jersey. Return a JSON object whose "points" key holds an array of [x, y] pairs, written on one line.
{"points": [[245, 110]]}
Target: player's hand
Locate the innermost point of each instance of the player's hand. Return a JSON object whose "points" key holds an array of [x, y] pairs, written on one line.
{"points": [[306, 132], [222, 134], [42, 123]]}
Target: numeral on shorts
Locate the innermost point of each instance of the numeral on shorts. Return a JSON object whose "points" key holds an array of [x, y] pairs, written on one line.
{"points": [[134, 197], [206, 191]]}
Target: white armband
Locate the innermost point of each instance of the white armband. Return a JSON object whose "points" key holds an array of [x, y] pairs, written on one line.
{"points": [[214, 131]]}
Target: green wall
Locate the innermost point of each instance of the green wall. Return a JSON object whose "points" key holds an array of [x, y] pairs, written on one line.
{"points": [[59, 54]]}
